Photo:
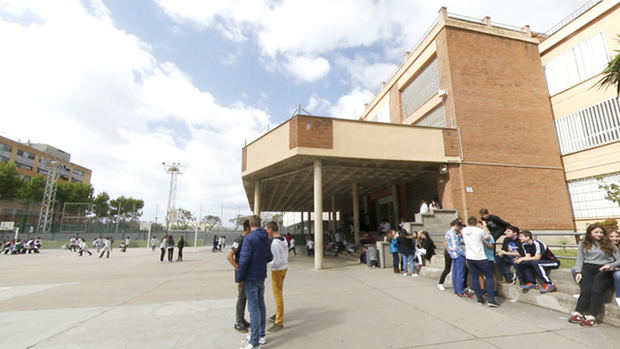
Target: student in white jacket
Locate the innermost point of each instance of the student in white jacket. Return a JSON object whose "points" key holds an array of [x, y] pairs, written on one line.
{"points": [[279, 266]]}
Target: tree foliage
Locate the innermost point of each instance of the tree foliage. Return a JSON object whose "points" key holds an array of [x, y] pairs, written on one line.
{"points": [[10, 181], [184, 218], [101, 206], [211, 221], [130, 209], [611, 73], [33, 189], [238, 221]]}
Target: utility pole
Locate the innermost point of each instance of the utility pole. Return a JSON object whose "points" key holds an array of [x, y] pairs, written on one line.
{"points": [[174, 169]]}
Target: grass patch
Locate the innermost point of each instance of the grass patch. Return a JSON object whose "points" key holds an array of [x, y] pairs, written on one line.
{"points": [[565, 252]]}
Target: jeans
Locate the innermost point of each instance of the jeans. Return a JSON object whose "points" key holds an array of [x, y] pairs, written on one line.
{"points": [[255, 294], [616, 277], [170, 252], [277, 283], [476, 267], [593, 284], [163, 253], [180, 257], [458, 274], [395, 260], [504, 262], [408, 261], [240, 309], [447, 264]]}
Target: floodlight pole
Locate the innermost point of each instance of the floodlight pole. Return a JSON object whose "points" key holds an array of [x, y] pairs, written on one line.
{"points": [[174, 169]]}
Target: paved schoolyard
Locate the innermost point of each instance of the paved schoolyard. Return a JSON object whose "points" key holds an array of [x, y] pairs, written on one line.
{"points": [[59, 300]]}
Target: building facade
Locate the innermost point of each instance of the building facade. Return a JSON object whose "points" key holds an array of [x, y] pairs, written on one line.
{"points": [[31, 159], [587, 118]]}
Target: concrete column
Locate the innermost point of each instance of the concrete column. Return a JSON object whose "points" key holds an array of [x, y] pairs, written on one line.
{"points": [[257, 198], [356, 214], [318, 215], [302, 222], [395, 206], [333, 214]]}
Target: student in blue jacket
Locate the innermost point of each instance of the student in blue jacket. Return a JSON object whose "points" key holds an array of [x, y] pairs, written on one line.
{"points": [[251, 274]]}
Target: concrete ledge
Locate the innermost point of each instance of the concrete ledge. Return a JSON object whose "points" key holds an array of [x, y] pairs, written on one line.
{"points": [[561, 300]]}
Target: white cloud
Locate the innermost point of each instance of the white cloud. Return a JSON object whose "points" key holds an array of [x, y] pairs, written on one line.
{"points": [[306, 68], [76, 82], [351, 105]]}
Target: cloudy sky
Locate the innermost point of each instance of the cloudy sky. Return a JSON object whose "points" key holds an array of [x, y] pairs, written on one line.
{"points": [[124, 85]]}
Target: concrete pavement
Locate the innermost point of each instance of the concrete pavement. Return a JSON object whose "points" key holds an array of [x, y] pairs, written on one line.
{"points": [[59, 300]]}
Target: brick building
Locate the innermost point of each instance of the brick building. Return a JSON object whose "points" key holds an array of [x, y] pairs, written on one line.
{"points": [[466, 118]]}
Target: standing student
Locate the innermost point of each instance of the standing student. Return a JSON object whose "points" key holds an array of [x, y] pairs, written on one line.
{"points": [[536, 260], [153, 243], [170, 247], [84, 247], [406, 246], [392, 237], [597, 257], [310, 246], [241, 324], [215, 243], [291, 246], [453, 243], [162, 247], [180, 246], [279, 267], [251, 274], [107, 246], [473, 237]]}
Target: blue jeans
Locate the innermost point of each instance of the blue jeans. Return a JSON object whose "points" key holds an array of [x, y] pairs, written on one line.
{"points": [[408, 261], [504, 263], [255, 294], [486, 268], [395, 260], [458, 274]]}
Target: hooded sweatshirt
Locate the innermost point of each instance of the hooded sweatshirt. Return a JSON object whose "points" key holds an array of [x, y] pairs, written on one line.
{"points": [[254, 256], [279, 250]]}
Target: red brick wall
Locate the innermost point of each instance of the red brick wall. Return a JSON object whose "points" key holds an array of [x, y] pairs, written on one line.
{"points": [[312, 132]]}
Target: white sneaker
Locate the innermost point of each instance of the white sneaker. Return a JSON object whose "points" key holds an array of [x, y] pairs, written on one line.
{"points": [[440, 286], [404, 274], [618, 301], [415, 275], [576, 295], [250, 346], [261, 340]]}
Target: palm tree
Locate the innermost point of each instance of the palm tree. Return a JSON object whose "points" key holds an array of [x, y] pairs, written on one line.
{"points": [[611, 73]]}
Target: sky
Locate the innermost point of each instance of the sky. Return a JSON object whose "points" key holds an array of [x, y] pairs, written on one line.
{"points": [[126, 85]]}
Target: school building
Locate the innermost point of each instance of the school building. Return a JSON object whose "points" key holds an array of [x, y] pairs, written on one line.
{"points": [[469, 117]]}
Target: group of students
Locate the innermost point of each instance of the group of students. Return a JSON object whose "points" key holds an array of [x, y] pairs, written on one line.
{"points": [[167, 244], [19, 246], [219, 242], [471, 249], [410, 251], [101, 244], [249, 255]]}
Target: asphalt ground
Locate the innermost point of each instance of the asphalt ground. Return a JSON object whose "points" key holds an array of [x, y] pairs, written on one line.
{"points": [[56, 299]]}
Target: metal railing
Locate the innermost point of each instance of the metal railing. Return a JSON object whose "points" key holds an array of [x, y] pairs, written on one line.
{"points": [[578, 12]]}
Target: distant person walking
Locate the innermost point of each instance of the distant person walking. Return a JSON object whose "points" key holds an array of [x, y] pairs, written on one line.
{"points": [[216, 241], [84, 248], [170, 247], [153, 243], [162, 247], [251, 274], [180, 246], [107, 246]]}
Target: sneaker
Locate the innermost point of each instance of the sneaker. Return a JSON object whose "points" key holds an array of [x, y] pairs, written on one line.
{"points": [[548, 288], [618, 301], [404, 274], [275, 328], [588, 321], [414, 275], [247, 324], [441, 287], [273, 318], [493, 304], [575, 318], [469, 291], [261, 340], [480, 302], [241, 327], [528, 285], [510, 280], [250, 346]]}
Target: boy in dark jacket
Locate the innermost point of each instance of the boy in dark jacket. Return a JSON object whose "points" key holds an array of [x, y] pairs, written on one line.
{"points": [[251, 274]]}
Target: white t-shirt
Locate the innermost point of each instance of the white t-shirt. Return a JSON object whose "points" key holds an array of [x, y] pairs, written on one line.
{"points": [[424, 209], [474, 249]]}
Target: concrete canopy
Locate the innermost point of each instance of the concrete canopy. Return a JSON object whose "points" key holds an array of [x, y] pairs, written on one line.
{"points": [[373, 155]]}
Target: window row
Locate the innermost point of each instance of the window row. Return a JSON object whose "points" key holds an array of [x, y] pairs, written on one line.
{"points": [[590, 127], [423, 86], [588, 200], [581, 62]]}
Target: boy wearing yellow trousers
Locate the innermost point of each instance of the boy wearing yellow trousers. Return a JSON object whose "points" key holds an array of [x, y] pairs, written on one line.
{"points": [[279, 266]]}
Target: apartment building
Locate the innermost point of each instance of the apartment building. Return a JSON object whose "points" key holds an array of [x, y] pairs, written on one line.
{"points": [[587, 117], [32, 159]]}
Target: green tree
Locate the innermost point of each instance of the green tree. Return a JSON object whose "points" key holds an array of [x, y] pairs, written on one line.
{"points": [[211, 221], [611, 73], [10, 181], [238, 221], [184, 218], [101, 206], [33, 189], [130, 209]]}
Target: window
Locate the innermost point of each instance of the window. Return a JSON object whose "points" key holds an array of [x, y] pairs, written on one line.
{"points": [[590, 127], [436, 118], [588, 199], [77, 175], [24, 159], [581, 62], [423, 86]]}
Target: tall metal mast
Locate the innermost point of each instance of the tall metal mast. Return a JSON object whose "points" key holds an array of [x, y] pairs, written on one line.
{"points": [[49, 196], [174, 169]]}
